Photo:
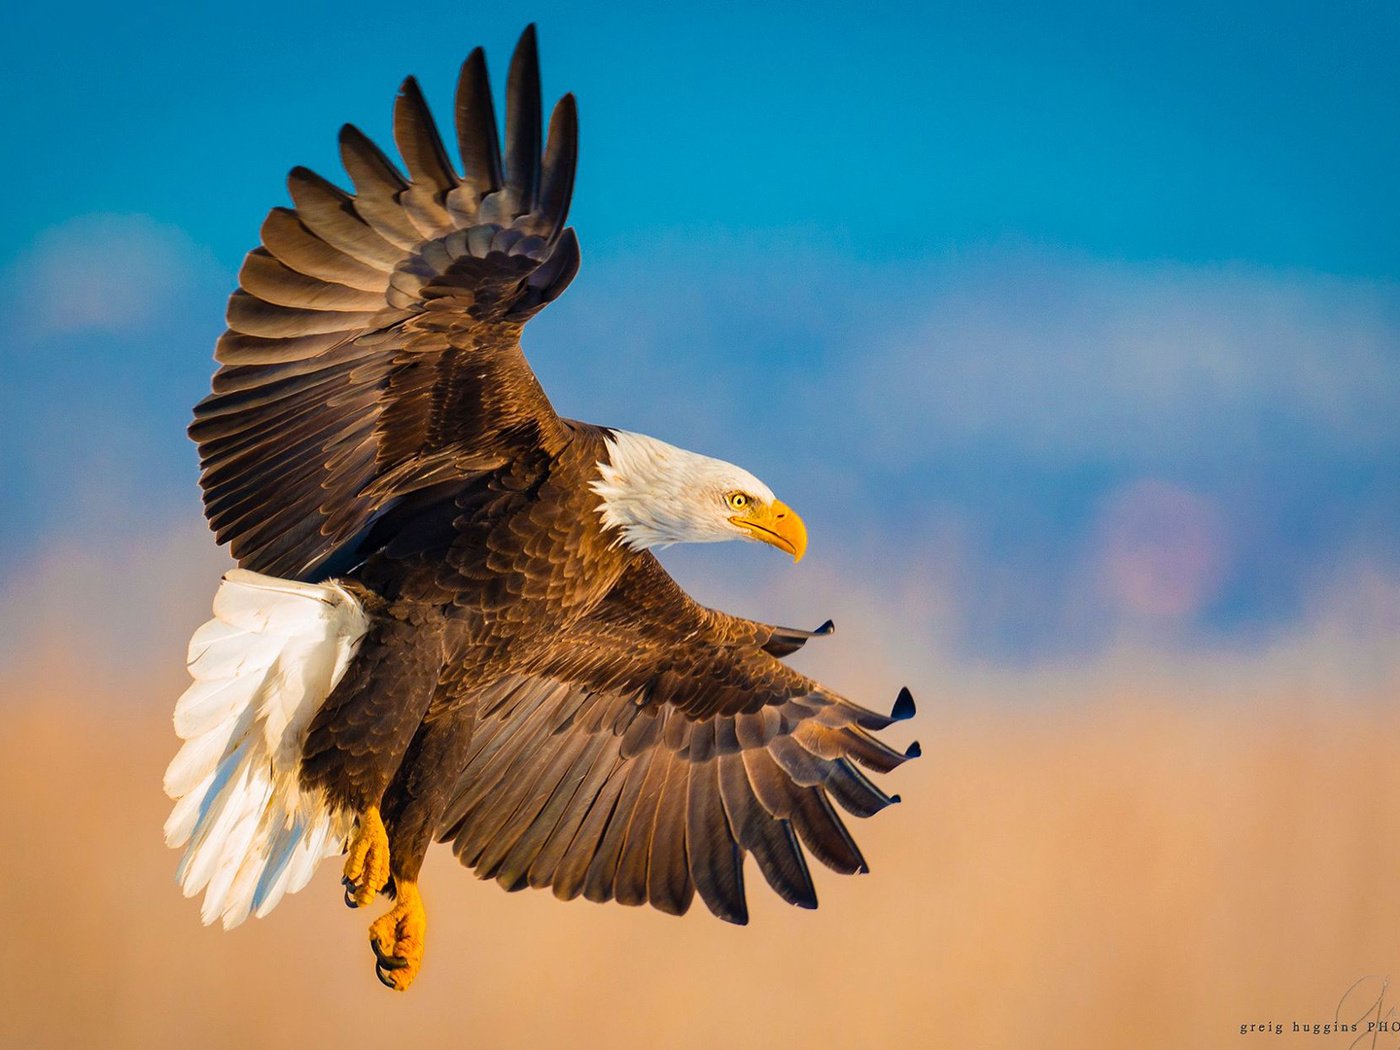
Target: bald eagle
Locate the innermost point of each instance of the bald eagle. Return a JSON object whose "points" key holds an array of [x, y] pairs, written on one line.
{"points": [[447, 622]]}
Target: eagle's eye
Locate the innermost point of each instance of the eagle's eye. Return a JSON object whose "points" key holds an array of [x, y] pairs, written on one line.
{"points": [[737, 500]]}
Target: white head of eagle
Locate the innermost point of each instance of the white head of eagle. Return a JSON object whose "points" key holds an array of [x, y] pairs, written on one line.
{"points": [[656, 494]]}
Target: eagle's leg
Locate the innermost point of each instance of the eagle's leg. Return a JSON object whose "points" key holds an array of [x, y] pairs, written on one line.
{"points": [[360, 734], [413, 808], [367, 860], [397, 938]]}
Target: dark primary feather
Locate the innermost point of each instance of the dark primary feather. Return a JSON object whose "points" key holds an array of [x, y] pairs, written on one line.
{"points": [[477, 140], [376, 329], [522, 155]]}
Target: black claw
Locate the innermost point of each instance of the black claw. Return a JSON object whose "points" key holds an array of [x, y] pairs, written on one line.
{"points": [[349, 893], [384, 978], [913, 750], [903, 705], [389, 962]]}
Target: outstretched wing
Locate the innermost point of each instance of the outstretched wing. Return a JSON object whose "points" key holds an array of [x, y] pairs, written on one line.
{"points": [[656, 746], [373, 342]]}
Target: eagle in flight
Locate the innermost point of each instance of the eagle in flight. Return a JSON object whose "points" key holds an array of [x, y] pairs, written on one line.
{"points": [[447, 622]]}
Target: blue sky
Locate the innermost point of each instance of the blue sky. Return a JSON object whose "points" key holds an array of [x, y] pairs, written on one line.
{"points": [[1259, 132], [1071, 322]]}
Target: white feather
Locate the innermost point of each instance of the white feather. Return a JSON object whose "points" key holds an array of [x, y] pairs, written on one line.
{"points": [[207, 705], [179, 826], [233, 654], [261, 668], [273, 876], [202, 754]]}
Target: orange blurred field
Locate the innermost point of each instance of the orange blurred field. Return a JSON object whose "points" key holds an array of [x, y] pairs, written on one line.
{"points": [[1139, 870]]}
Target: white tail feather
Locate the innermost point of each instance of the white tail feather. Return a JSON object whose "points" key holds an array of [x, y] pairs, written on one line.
{"points": [[261, 668]]}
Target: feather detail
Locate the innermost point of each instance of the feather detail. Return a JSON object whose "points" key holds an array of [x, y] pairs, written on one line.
{"points": [[261, 668]]}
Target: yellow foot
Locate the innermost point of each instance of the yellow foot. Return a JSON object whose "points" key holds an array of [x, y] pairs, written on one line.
{"points": [[397, 939], [367, 865]]}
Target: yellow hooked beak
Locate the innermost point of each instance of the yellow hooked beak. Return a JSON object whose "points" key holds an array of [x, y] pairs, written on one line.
{"points": [[776, 524]]}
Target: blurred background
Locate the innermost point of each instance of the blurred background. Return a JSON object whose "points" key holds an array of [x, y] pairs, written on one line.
{"points": [[1075, 337]]}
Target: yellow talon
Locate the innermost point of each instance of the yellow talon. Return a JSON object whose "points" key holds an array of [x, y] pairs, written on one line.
{"points": [[367, 866], [397, 939]]}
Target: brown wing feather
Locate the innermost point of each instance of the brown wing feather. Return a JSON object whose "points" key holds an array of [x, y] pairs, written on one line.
{"points": [[655, 747], [376, 332]]}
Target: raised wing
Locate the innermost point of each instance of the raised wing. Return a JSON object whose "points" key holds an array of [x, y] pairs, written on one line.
{"points": [[373, 342], [656, 747]]}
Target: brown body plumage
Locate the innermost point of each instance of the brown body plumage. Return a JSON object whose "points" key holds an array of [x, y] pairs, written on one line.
{"points": [[531, 689]]}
